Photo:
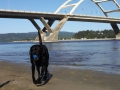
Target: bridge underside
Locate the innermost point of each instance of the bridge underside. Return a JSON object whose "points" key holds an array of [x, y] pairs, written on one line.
{"points": [[62, 18], [53, 36]]}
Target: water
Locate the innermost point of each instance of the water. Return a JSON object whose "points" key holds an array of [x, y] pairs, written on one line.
{"points": [[96, 55]]}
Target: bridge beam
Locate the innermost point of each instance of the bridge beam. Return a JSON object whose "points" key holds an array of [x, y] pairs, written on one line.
{"points": [[116, 30]]}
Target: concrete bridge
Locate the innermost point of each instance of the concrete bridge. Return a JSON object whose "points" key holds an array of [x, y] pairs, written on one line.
{"points": [[51, 17]]}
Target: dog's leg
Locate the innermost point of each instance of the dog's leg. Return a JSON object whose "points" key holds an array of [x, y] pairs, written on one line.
{"points": [[44, 72], [33, 74], [38, 69], [39, 75]]}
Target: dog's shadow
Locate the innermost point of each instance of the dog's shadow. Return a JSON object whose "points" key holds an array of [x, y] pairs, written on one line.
{"points": [[5, 83], [46, 81]]}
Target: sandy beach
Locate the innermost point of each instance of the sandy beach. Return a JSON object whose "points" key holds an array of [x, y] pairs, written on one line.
{"points": [[18, 77]]}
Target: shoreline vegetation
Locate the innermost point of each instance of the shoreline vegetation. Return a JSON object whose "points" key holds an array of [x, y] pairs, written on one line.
{"points": [[63, 35], [17, 76]]}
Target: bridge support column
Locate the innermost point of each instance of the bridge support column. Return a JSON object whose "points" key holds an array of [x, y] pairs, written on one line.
{"points": [[53, 37], [38, 28], [116, 30], [50, 22], [46, 26]]}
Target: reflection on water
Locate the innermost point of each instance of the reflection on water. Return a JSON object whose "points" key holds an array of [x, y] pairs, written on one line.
{"points": [[95, 55]]}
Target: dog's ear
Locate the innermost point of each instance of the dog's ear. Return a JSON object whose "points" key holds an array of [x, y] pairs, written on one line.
{"points": [[30, 50]]}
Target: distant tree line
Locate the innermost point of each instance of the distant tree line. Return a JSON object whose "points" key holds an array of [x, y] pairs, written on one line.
{"points": [[89, 34]]}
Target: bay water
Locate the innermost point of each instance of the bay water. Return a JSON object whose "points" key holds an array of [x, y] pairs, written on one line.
{"points": [[98, 55]]}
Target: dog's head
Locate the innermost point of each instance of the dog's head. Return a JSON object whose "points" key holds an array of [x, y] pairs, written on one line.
{"points": [[39, 54], [35, 52]]}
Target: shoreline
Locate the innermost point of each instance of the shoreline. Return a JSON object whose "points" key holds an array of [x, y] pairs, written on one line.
{"points": [[19, 77], [74, 40], [66, 66]]}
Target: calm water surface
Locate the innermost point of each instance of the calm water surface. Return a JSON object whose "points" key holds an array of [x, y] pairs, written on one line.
{"points": [[101, 55]]}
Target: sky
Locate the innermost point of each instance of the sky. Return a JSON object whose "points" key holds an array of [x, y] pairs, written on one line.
{"points": [[87, 7]]}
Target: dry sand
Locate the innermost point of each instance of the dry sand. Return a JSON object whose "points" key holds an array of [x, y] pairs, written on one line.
{"points": [[18, 77]]}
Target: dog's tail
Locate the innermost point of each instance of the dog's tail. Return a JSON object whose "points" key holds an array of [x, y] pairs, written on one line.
{"points": [[40, 38]]}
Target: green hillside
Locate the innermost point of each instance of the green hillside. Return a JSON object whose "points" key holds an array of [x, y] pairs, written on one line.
{"points": [[29, 36]]}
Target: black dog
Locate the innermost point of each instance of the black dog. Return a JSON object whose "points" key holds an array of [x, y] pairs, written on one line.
{"points": [[39, 58]]}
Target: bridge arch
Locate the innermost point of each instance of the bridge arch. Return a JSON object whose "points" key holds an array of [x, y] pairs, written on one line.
{"points": [[97, 2], [114, 25]]}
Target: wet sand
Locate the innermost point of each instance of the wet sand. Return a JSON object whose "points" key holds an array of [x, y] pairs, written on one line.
{"points": [[18, 77]]}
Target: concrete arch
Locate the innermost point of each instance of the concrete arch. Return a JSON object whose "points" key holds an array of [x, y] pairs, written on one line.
{"points": [[97, 2], [64, 5], [113, 25]]}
